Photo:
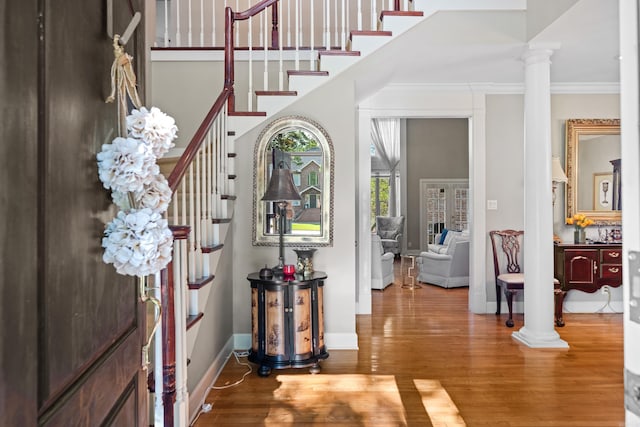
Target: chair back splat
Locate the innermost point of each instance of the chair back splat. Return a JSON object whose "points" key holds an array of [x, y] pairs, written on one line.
{"points": [[507, 248]]}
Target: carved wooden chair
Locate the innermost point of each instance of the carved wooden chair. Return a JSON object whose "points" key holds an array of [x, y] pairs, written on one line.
{"points": [[508, 255]]}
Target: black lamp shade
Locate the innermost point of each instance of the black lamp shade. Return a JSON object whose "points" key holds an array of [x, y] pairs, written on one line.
{"points": [[281, 187]]}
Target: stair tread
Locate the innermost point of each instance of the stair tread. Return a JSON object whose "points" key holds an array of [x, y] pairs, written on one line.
{"points": [[401, 13], [276, 93], [211, 248], [201, 282], [370, 33], [220, 220], [231, 154], [232, 176], [248, 113], [307, 73], [193, 319], [339, 53]]}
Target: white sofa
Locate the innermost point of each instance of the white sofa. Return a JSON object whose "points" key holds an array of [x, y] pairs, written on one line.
{"points": [[446, 265], [442, 248], [381, 265]]}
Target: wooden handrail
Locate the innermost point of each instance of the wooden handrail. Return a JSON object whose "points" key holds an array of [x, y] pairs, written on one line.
{"points": [[196, 142]]}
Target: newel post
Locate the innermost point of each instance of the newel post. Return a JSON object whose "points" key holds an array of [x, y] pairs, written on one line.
{"points": [[167, 289]]}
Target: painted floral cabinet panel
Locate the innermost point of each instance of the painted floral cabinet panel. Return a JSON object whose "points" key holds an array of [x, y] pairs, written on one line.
{"points": [[287, 322]]}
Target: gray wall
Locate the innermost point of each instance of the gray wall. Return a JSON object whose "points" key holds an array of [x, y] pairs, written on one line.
{"points": [[436, 148]]}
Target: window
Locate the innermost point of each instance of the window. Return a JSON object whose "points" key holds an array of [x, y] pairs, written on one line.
{"points": [[313, 178], [296, 179], [379, 197]]}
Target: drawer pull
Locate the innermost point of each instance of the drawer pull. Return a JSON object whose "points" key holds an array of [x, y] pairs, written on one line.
{"points": [[614, 254], [614, 269]]}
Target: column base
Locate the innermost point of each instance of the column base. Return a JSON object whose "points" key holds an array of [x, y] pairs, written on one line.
{"points": [[546, 340]]}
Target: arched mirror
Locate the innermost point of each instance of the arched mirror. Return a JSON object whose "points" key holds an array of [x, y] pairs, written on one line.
{"points": [[593, 169], [304, 147]]}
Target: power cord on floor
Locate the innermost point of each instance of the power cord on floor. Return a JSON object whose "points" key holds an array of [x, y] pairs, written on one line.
{"points": [[207, 407]]}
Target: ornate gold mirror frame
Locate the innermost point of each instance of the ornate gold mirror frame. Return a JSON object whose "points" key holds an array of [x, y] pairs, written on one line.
{"points": [[310, 220], [593, 169]]}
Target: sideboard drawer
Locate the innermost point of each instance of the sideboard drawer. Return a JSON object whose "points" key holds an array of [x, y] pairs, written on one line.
{"points": [[612, 256], [611, 271]]}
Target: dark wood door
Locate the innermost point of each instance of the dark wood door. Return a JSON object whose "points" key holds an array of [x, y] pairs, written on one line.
{"points": [[72, 329]]}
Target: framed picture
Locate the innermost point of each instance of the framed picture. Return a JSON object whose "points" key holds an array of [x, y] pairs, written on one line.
{"points": [[602, 191]]}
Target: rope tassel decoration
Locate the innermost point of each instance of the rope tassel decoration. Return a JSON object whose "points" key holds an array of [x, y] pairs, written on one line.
{"points": [[123, 83]]}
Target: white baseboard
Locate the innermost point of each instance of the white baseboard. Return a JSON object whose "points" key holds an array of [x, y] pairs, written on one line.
{"points": [[614, 306], [201, 390]]}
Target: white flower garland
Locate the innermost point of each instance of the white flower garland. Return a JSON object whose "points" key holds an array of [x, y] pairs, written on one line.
{"points": [[138, 241]]}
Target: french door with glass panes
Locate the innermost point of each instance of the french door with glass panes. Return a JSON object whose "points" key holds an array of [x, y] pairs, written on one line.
{"points": [[444, 203]]}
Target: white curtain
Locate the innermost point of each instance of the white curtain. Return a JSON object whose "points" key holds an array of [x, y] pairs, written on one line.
{"points": [[386, 138]]}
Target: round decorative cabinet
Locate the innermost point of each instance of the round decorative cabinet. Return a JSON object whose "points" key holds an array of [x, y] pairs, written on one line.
{"points": [[287, 324]]}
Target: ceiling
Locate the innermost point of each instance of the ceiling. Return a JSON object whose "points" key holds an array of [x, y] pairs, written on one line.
{"points": [[457, 47]]}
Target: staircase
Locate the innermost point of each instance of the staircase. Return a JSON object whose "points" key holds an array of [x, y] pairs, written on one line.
{"points": [[203, 176]]}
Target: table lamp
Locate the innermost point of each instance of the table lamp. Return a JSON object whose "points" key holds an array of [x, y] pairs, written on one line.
{"points": [[280, 190], [557, 176]]}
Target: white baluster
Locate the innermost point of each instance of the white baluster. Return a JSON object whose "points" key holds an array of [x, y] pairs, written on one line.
{"points": [[373, 14], [178, 38], [359, 15], [197, 223], [209, 188], [336, 22], [201, 23], [312, 56], [166, 23], [405, 5], [202, 197], [192, 220], [158, 413], [250, 92], [184, 202], [237, 37], [343, 37], [297, 35], [190, 30], [289, 23], [280, 52], [213, 25], [327, 24]]}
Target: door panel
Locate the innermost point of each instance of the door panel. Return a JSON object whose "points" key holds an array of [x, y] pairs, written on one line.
{"points": [[91, 322], [71, 329], [18, 212]]}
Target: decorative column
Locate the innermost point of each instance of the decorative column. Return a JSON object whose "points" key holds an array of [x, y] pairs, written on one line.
{"points": [[538, 329]]}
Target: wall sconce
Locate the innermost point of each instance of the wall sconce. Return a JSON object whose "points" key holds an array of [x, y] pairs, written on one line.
{"points": [[280, 190]]}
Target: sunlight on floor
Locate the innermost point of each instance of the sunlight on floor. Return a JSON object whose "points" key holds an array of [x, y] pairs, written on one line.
{"points": [[439, 406], [353, 399]]}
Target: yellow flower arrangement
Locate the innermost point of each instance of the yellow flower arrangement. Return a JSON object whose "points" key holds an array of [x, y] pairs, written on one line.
{"points": [[579, 221]]}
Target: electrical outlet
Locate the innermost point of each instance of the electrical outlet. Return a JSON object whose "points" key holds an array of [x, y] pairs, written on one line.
{"points": [[605, 290]]}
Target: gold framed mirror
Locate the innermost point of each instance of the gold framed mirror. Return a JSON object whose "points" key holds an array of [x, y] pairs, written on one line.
{"points": [[305, 148], [593, 169]]}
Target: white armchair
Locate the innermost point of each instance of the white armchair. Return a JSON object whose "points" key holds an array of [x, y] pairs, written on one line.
{"points": [[381, 265], [390, 229], [449, 269]]}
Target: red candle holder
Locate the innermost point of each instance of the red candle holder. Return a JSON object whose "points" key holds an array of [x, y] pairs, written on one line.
{"points": [[288, 269]]}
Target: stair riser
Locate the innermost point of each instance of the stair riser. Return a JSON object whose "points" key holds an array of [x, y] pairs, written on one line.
{"points": [[304, 84], [334, 64], [273, 104]]}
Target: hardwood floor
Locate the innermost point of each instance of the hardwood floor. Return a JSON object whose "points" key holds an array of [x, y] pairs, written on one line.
{"points": [[425, 360]]}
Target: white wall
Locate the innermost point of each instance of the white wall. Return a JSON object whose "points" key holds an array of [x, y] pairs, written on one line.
{"points": [[572, 106], [333, 108]]}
